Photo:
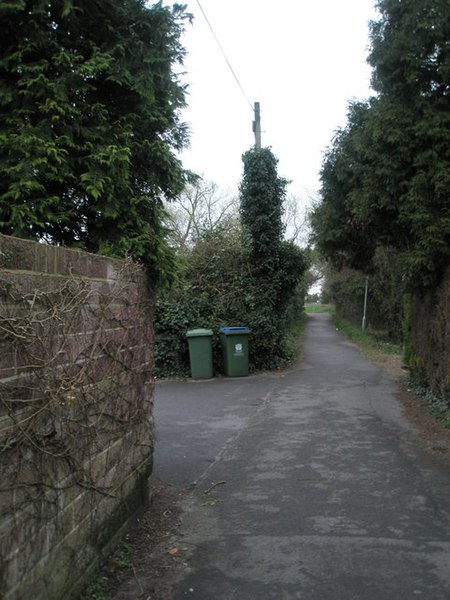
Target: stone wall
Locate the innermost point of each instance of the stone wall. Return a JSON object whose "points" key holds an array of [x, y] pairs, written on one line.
{"points": [[75, 413], [430, 337]]}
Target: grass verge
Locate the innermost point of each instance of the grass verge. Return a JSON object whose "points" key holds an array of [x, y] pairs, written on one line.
{"points": [[371, 344], [291, 340], [318, 308]]}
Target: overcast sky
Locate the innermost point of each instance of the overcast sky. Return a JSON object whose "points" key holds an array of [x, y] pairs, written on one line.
{"points": [[303, 60]]}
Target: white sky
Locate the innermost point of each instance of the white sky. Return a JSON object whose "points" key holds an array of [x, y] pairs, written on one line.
{"points": [[303, 60]]}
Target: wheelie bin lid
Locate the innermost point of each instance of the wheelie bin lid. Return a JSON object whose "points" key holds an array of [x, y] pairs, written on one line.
{"points": [[234, 330], [199, 332]]}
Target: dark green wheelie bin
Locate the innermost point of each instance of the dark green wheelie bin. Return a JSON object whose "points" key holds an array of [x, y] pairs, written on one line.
{"points": [[200, 353], [235, 350]]}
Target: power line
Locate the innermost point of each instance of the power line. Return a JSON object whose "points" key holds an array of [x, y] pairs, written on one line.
{"points": [[224, 55]]}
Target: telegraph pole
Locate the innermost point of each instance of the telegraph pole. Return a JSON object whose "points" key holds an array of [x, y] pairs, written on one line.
{"points": [[257, 126], [364, 319]]}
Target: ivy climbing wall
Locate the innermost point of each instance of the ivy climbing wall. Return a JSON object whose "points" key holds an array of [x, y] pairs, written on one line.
{"points": [[75, 413]]}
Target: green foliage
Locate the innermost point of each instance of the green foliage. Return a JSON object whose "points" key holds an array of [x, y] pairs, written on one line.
{"points": [[418, 376], [387, 292], [370, 343], [262, 193], [291, 339], [237, 275], [346, 289], [385, 178], [219, 288], [94, 591], [89, 124], [210, 293], [277, 265], [410, 52], [172, 320], [437, 405]]}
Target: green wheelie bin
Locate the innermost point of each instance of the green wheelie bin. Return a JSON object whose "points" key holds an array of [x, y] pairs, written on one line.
{"points": [[235, 350], [200, 353]]}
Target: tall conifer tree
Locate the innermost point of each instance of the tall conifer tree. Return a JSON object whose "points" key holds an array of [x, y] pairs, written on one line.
{"points": [[386, 176], [89, 123]]}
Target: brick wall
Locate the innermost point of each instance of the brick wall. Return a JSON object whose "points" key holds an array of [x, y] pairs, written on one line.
{"points": [[430, 337], [75, 413]]}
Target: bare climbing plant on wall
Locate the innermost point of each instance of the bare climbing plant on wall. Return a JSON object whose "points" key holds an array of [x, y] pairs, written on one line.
{"points": [[77, 360]]}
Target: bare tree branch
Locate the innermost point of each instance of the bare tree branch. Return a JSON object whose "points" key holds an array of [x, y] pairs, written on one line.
{"points": [[296, 218], [201, 207]]}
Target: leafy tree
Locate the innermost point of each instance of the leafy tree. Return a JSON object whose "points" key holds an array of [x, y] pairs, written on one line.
{"points": [[386, 176], [410, 52], [89, 123]]}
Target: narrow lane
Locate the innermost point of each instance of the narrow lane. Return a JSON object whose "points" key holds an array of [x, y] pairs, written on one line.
{"points": [[323, 496]]}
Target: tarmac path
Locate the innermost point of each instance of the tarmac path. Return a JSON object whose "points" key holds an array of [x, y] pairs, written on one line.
{"points": [[304, 486]]}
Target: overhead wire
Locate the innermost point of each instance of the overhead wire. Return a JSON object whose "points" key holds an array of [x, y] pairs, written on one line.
{"points": [[224, 55]]}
